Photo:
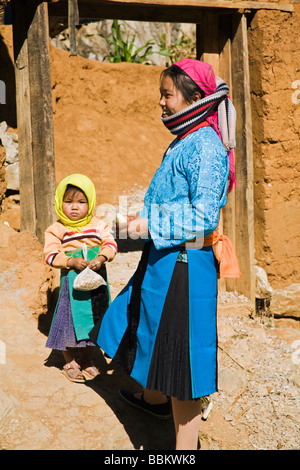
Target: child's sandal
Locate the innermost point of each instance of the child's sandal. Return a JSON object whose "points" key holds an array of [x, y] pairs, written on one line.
{"points": [[90, 371], [72, 373]]}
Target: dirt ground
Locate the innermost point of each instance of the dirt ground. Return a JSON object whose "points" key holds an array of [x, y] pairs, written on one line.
{"points": [[257, 406]]}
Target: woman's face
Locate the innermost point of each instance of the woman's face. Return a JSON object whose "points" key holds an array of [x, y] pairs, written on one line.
{"points": [[75, 205], [171, 99]]}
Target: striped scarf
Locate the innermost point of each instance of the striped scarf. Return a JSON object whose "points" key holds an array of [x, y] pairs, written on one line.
{"points": [[192, 115], [215, 109]]}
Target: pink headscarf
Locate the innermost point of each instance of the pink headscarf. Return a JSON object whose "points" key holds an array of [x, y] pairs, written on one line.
{"points": [[203, 75]]}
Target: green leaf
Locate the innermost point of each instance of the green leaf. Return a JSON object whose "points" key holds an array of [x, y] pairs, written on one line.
{"points": [[123, 48]]}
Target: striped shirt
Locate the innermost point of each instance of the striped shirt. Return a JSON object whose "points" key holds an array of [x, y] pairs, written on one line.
{"points": [[59, 239]]}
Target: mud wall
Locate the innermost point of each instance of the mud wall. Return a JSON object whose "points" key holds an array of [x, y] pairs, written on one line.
{"points": [[274, 50]]}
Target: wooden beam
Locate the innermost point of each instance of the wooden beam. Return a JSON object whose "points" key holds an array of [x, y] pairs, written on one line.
{"points": [[183, 11], [34, 115], [230, 4], [200, 3], [244, 204], [162, 14]]}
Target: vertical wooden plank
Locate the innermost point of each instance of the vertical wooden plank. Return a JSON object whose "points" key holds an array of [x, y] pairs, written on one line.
{"points": [[208, 50], [244, 204], [225, 48], [73, 20], [41, 118], [207, 33], [34, 115], [225, 70], [222, 42], [28, 215], [168, 42]]}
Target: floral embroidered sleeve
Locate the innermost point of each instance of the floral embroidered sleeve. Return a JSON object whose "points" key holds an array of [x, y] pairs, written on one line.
{"points": [[187, 191], [207, 173]]}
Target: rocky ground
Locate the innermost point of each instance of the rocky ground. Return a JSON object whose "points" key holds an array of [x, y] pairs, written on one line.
{"points": [[257, 406]]}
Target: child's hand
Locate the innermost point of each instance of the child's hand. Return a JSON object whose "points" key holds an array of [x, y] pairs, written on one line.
{"points": [[77, 263], [97, 262]]}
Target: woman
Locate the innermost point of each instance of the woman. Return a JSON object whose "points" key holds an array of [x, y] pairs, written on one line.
{"points": [[161, 329]]}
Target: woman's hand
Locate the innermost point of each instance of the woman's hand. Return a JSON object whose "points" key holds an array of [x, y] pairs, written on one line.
{"points": [[138, 228], [122, 225], [77, 263], [133, 227]]}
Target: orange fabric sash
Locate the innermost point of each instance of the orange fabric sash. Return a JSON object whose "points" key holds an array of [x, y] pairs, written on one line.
{"points": [[225, 254]]}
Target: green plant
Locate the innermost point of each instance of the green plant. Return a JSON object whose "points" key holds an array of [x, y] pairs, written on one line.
{"points": [[123, 49], [184, 47]]}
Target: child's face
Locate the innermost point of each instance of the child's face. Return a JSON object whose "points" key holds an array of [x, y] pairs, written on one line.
{"points": [[171, 99], [75, 205]]}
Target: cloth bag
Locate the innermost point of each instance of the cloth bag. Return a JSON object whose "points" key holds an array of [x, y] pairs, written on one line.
{"points": [[87, 279]]}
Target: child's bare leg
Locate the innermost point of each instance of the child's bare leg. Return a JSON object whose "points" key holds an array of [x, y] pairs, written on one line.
{"points": [[88, 367], [69, 355], [187, 418], [71, 369]]}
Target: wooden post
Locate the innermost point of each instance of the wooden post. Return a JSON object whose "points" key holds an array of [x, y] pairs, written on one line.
{"points": [[34, 115], [208, 50], [244, 205], [73, 20], [222, 42], [207, 37], [225, 71], [168, 42]]}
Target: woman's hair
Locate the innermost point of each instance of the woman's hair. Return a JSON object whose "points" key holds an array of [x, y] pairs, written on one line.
{"points": [[71, 189], [183, 82]]}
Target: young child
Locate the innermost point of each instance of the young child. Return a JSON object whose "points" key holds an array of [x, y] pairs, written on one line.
{"points": [[77, 311]]}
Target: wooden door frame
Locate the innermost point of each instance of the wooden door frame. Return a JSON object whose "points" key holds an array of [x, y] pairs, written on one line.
{"points": [[221, 41]]}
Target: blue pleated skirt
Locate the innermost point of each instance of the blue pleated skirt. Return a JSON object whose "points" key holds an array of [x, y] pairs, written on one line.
{"points": [[161, 328]]}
